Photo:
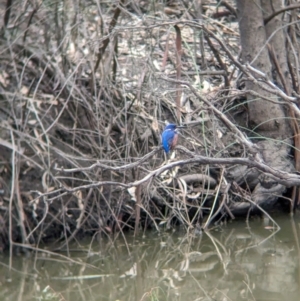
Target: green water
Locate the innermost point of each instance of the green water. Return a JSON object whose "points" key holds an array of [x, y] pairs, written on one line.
{"points": [[235, 262]]}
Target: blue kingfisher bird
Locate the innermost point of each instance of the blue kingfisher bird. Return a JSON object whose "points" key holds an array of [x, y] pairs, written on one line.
{"points": [[169, 137]]}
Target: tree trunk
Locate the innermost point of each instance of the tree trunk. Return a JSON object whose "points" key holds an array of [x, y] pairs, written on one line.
{"points": [[267, 119]]}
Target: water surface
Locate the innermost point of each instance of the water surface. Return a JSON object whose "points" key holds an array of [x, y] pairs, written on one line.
{"points": [[237, 261]]}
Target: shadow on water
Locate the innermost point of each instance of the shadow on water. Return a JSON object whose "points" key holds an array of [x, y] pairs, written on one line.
{"points": [[235, 262]]}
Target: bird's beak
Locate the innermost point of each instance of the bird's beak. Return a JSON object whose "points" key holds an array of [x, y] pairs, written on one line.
{"points": [[180, 126]]}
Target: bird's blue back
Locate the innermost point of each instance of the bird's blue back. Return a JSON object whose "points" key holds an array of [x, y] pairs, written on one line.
{"points": [[167, 136]]}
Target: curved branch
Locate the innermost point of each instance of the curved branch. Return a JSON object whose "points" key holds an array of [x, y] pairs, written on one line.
{"points": [[114, 168], [290, 7], [284, 178]]}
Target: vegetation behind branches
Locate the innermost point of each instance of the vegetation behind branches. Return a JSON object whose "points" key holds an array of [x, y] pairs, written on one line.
{"points": [[86, 88]]}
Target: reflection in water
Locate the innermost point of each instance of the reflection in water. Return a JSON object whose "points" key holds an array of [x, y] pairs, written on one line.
{"points": [[234, 263]]}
